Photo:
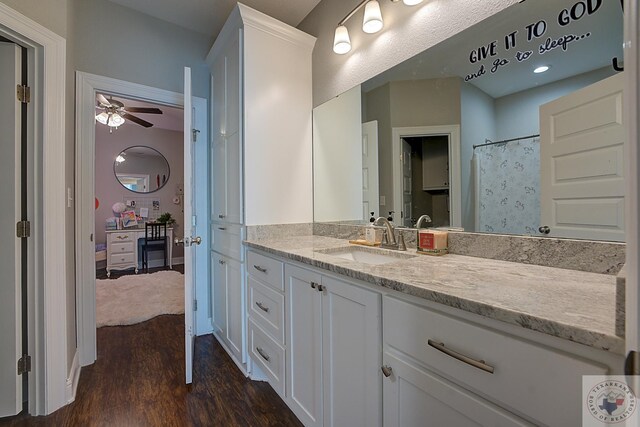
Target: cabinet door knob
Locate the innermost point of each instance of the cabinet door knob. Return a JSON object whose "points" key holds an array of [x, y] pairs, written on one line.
{"points": [[320, 288], [544, 229], [313, 285], [221, 262], [386, 370]]}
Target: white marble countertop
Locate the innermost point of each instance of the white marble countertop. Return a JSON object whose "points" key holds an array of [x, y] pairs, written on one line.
{"points": [[568, 304]]}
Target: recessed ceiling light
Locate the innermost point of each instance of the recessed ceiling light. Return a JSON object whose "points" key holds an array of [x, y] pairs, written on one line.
{"points": [[541, 69]]}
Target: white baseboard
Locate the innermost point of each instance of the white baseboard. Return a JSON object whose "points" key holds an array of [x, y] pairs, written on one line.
{"points": [[72, 381]]}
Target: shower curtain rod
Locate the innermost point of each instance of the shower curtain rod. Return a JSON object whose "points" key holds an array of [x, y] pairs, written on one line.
{"points": [[504, 141]]}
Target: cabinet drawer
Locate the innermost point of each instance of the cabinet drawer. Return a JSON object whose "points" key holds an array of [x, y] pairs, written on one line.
{"points": [[127, 258], [268, 355], [121, 237], [120, 248], [266, 308], [268, 270], [527, 377], [227, 240]]}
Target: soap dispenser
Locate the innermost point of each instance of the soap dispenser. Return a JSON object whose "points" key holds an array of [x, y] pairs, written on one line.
{"points": [[373, 218]]}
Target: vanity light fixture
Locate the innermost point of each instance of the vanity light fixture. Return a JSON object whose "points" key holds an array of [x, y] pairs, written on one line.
{"points": [[371, 23], [541, 69]]}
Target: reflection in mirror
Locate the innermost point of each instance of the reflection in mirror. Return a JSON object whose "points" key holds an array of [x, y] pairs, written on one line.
{"points": [[141, 169], [513, 126]]}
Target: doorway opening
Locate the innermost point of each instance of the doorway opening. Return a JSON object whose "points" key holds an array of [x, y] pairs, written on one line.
{"points": [[139, 208], [426, 175]]}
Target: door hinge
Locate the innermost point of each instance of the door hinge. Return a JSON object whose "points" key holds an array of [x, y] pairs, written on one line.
{"points": [[195, 305], [24, 364], [632, 363], [23, 229], [23, 93]]}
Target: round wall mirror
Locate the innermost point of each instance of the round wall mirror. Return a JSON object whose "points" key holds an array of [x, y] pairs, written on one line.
{"points": [[141, 169]]}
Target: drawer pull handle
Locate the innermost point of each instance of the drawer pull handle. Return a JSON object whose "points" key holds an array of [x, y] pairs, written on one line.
{"points": [[480, 364], [260, 269], [313, 285], [122, 237], [263, 354], [221, 216], [221, 262], [262, 307], [386, 370], [222, 228]]}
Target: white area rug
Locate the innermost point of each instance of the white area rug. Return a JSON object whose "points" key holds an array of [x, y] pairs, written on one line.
{"points": [[135, 298]]}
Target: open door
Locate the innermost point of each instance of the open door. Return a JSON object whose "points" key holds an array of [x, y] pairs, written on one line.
{"points": [[10, 250], [190, 241]]}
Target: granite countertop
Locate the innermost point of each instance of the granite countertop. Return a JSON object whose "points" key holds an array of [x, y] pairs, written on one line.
{"points": [[573, 305]]}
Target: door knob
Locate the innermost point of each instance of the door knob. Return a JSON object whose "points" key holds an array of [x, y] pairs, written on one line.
{"points": [[186, 242], [386, 370], [544, 229], [196, 240]]}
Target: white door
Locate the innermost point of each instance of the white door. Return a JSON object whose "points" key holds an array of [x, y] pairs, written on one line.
{"points": [[351, 357], [191, 240], [582, 186], [406, 218], [370, 186], [10, 259]]}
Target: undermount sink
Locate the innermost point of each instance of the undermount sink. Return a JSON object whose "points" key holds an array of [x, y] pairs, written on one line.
{"points": [[367, 255]]}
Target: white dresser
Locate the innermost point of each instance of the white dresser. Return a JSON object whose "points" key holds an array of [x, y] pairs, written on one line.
{"points": [[122, 248]]}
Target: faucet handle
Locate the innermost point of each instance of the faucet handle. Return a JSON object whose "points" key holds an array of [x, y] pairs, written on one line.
{"points": [[401, 245], [385, 238]]}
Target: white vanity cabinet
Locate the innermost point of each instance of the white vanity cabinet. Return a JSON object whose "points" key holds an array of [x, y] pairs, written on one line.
{"points": [[430, 354], [261, 97], [333, 350]]}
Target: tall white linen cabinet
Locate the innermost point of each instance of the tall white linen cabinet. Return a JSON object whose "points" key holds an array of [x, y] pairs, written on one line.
{"points": [[261, 153]]}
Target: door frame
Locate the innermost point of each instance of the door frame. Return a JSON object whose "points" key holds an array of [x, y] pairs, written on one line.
{"points": [[86, 87], [47, 286], [453, 132]]}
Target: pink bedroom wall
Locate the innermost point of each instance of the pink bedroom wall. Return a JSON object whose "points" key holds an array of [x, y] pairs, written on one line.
{"points": [[109, 191]]}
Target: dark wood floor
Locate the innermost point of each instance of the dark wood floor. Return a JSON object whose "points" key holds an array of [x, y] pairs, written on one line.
{"points": [[138, 380]]}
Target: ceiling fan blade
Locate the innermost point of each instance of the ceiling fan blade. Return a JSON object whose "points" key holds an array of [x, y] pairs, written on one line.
{"points": [[143, 110], [137, 120], [102, 100]]}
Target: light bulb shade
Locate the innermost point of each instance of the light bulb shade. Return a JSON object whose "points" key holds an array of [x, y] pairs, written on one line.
{"points": [[120, 159], [115, 120], [372, 18], [411, 2], [102, 118], [341, 40]]}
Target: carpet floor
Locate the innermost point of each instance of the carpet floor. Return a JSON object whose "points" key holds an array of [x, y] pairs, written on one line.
{"points": [[135, 298]]}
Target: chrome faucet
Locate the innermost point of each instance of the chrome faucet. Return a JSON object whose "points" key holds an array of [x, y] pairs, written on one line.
{"points": [[423, 218], [389, 232]]}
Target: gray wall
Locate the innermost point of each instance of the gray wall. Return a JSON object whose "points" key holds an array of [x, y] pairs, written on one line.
{"points": [[408, 31]]}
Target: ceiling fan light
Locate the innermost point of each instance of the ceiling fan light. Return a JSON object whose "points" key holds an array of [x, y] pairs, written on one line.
{"points": [[411, 2], [116, 120], [341, 40], [102, 118], [372, 22]]}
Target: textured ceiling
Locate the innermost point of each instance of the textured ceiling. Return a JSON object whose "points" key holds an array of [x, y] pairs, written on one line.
{"points": [[208, 16]]}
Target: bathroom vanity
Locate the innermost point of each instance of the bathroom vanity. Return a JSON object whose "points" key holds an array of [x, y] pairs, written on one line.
{"points": [[456, 340]]}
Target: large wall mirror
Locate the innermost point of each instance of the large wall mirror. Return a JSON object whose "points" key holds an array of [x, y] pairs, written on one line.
{"points": [[141, 169], [513, 126]]}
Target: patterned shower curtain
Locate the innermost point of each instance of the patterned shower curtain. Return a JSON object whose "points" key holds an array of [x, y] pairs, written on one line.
{"points": [[507, 187]]}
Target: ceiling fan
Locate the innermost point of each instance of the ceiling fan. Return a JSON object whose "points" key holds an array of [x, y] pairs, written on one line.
{"points": [[114, 113]]}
